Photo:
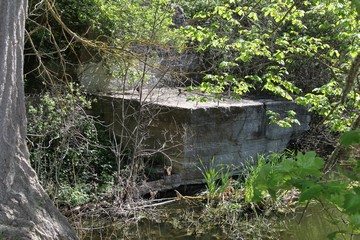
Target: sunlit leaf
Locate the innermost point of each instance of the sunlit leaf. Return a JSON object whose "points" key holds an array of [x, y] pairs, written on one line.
{"points": [[309, 164]]}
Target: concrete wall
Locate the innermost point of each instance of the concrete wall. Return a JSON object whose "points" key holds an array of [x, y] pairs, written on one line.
{"points": [[230, 131]]}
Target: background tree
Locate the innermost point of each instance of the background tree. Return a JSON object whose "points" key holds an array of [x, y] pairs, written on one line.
{"points": [[26, 212], [299, 50]]}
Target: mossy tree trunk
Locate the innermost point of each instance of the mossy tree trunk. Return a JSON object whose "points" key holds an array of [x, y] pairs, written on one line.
{"points": [[26, 212]]}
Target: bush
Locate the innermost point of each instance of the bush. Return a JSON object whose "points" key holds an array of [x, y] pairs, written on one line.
{"points": [[67, 146]]}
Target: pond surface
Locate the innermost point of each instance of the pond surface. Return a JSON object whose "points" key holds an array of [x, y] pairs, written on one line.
{"points": [[316, 223], [183, 221]]}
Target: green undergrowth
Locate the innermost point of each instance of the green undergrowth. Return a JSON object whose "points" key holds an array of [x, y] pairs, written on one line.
{"points": [[69, 149], [266, 201], [279, 183]]}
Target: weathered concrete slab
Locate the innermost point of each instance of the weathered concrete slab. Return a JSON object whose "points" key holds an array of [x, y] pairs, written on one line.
{"points": [[229, 131]]}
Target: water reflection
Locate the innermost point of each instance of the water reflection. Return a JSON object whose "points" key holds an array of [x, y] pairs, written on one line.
{"points": [[186, 221], [316, 223]]}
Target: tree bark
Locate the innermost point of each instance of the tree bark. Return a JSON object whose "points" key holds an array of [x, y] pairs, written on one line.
{"points": [[26, 212]]}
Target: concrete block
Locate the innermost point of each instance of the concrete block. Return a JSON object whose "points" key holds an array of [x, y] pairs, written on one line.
{"points": [[230, 131]]}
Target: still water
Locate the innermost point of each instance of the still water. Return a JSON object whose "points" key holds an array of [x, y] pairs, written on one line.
{"points": [[186, 221]]}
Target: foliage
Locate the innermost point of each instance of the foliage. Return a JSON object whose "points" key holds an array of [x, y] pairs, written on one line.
{"points": [[252, 170], [304, 172], [67, 146], [295, 49], [74, 196], [137, 20], [191, 8], [217, 178], [63, 34], [285, 122], [288, 48], [128, 38], [350, 138]]}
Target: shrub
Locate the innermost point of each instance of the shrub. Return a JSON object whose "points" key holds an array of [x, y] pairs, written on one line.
{"points": [[67, 146]]}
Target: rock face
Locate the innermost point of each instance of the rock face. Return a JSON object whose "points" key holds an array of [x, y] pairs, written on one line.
{"points": [[229, 131]]}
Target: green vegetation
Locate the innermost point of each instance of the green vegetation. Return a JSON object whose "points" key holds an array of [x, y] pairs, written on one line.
{"points": [[62, 35], [298, 50], [68, 147], [305, 51], [217, 179]]}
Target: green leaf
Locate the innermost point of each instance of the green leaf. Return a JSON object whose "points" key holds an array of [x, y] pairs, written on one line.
{"points": [[357, 168], [257, 196], [286, 166], [272, 193], [355, 220], [309, 164], [350, 138], [313, 192], [356, 4], [332, 235], [352, 202]]}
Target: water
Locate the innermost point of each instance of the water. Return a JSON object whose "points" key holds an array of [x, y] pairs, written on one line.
{"points": [[190, 220], [316, 223]]}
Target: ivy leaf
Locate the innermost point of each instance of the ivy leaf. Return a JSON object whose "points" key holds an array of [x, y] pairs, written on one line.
{"points": [[350, 138]]}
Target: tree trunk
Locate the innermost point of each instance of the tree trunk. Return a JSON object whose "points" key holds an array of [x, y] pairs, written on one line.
{"points": [[26, 212]]}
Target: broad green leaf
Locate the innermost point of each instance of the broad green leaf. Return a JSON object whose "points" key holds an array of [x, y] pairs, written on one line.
{"points": [[350, 138], [313, 192], [334, 192], [302, 183], [309, 164], [286, 166], [352, 203]]}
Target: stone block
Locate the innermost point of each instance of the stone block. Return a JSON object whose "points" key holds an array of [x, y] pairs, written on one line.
{"points": [[229, 132]]}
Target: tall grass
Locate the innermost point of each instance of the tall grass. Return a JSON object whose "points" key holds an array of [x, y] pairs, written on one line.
{"points": [[217, 177], [252, 168]]}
